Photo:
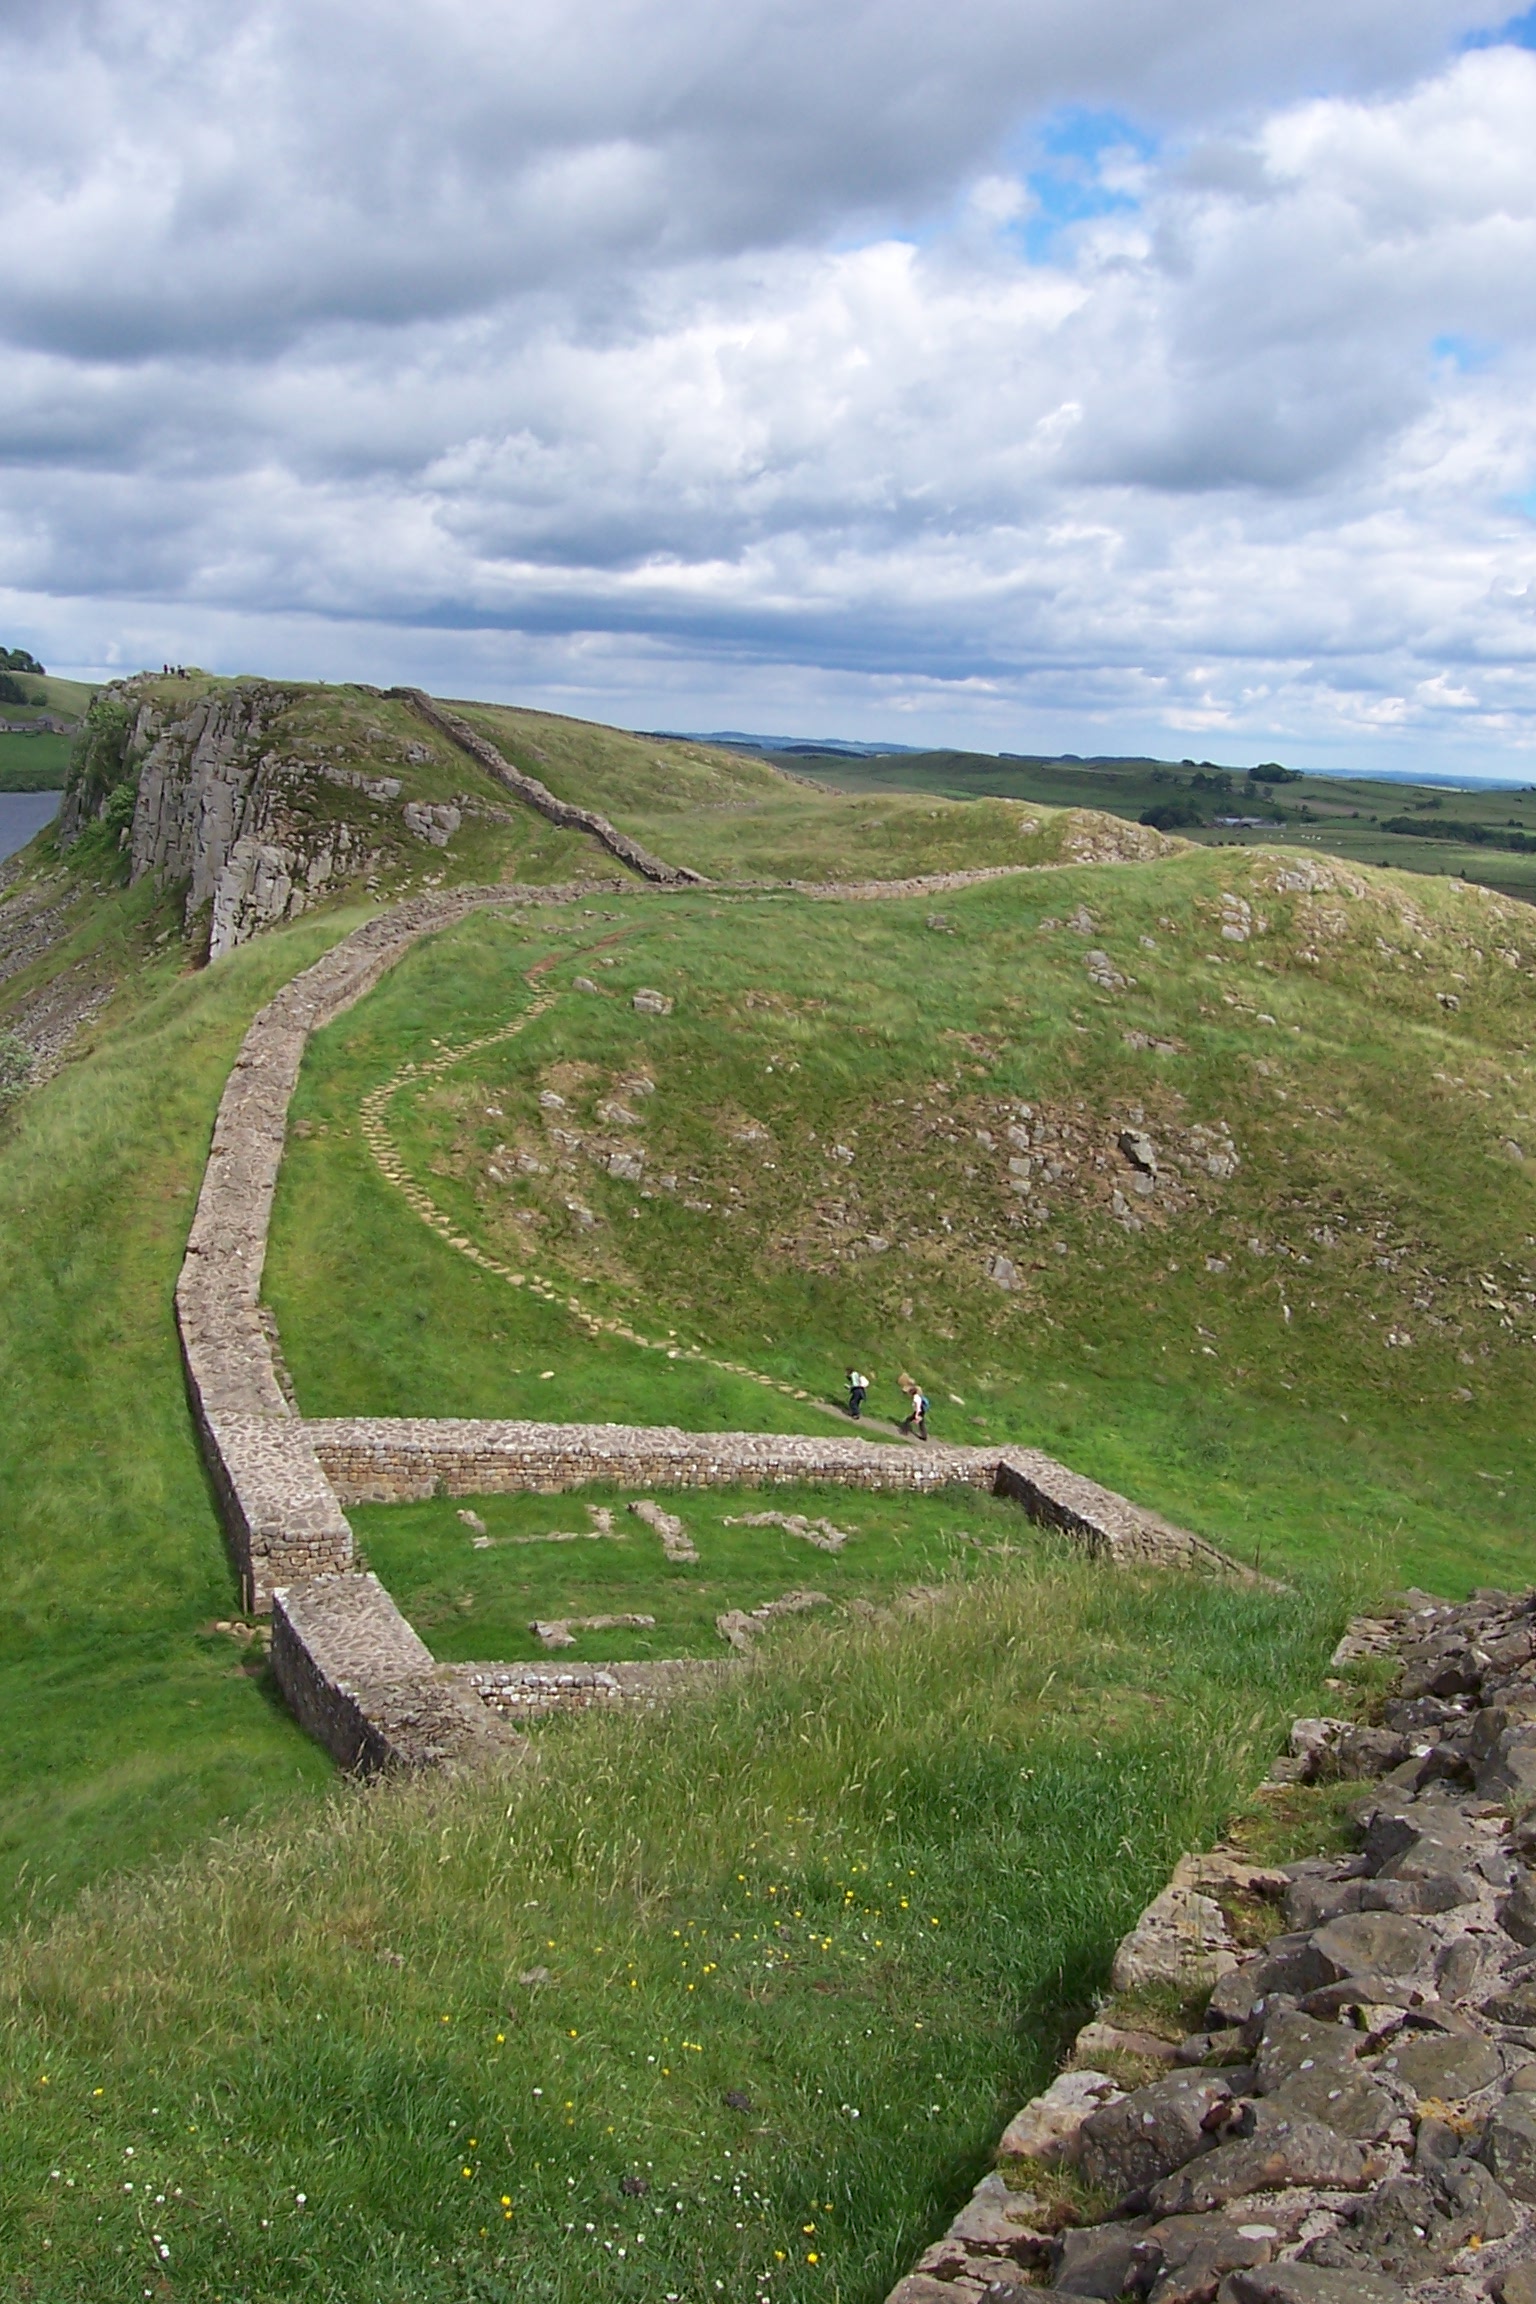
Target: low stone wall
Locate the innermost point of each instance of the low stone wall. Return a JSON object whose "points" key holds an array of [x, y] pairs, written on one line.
{"points": [[536, 795], [1352, 2119], [396, 1460], [282, 1519], [366, 1687]]}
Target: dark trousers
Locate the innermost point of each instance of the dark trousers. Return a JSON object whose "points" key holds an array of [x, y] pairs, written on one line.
{"points": [[855, 1399]]}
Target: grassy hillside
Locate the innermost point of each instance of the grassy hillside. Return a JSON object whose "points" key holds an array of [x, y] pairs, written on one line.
{"points": [[1212, 1172], [1475, 832], [609, 769], [43, 692], [1311, 1339], [805, 835], [128, 1724], [68, 698]]}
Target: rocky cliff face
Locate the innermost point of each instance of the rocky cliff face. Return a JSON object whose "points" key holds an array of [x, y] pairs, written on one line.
{"points": [[261, 798], [226, 808]]}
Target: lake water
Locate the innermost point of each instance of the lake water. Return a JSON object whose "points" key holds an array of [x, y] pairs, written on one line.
{"points": [[22, 814]]}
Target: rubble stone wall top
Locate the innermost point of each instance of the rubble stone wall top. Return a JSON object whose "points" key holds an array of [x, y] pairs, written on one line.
{"points": [[1352, 2117]]}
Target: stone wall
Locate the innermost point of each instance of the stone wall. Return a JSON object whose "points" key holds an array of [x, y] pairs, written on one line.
{"points": [[539, 796], [286, 1529], [402, 1459], [366, 1687], [1351, 2118], [283, 1519]]}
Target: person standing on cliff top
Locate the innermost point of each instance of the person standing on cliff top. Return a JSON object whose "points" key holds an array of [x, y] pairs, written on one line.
{"points": [[858, 1386]]}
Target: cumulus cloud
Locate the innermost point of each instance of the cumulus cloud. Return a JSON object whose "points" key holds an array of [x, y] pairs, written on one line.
{"points": [[1075, 375]]}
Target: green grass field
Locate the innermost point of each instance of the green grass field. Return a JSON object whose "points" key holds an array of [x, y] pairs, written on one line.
{"points": [[806, 1945], [280, 2028], [478, 1602], [33, 763]]}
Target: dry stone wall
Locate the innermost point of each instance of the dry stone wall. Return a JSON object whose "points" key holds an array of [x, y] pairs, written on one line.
{"points": [[366, 1687], [538, 795], [1352, 2117], [286, 1529]]}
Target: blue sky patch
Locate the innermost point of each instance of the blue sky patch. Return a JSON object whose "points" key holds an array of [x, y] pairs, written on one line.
{"points": [[1469, 354], [1519, 32], [1064, 169]]}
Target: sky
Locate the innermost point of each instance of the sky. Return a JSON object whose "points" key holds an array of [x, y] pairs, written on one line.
{"points": [[1030, 375]]}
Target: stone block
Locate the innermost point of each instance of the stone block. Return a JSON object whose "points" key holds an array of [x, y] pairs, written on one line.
{"points": [[1048, 2126], [1180, 1940]]}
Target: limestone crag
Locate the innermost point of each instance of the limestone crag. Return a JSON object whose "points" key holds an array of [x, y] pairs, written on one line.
{"points": [[240, 807], [1353, 2121], [225, 807]]}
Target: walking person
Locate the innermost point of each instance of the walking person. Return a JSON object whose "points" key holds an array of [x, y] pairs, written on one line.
{"points": [[858, 1386], [916, 1419]]}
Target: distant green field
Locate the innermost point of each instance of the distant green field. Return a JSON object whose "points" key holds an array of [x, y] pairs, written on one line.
{"points": [[33, 763], [1340, 814]]}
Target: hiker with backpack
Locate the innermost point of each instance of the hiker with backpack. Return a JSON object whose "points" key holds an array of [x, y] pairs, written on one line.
{"points": [[916, 1419], [858, 1386]]}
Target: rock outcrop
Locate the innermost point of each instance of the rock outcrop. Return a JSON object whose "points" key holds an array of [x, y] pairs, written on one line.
{"points": [[259, 800], [225, 807]]}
